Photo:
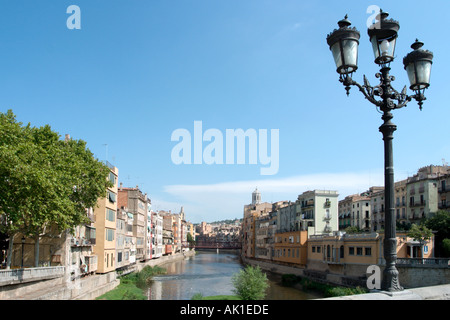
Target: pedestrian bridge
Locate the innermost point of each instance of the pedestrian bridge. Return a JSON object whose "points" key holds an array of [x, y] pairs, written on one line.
{"points": [[214, 245]]}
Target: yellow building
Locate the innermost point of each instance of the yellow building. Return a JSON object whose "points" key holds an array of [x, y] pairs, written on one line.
{"points": [[351, 254], [291, 247], [105, 225]]}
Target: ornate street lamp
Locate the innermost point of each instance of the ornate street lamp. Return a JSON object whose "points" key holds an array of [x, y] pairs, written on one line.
{"points": [[383, 35]]}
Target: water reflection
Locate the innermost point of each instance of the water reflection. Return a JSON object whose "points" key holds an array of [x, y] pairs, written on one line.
{"points": [[209, 274]]}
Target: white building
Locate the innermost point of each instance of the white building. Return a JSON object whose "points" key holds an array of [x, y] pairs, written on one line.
{"points": [[319, 211], [157, 235]]}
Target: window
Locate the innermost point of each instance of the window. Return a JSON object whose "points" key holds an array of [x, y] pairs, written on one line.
{"points": [[109, 234], [119, 256], [318, 249], [112, 178], [351, 251], [368, 251], [111, 196], [359, 251], [110, 215], [313, 249]]}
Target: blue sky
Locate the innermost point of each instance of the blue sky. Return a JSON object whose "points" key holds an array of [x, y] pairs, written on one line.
{"points": [[138, 70]]}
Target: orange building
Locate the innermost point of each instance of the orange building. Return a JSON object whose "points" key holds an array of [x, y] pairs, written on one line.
{"points": [[291, 247]]}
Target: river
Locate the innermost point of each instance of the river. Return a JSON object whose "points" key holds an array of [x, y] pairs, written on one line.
{"points": [[209, 273]]}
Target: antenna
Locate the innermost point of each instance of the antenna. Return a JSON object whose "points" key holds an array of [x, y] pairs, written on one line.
{"points": [[444, 163], [106, 150]]}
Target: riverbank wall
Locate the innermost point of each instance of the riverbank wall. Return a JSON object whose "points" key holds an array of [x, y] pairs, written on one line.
{"points": [[87, 288], [355, 275]]}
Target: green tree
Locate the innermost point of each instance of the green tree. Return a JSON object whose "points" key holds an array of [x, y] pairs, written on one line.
{"points": [[352, 229], [446, 247], [190, 240], [420, 233], [46, 183], [440, 223], [250, 283]]}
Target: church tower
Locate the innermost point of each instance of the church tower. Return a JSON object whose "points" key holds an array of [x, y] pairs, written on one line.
{"points": [[256, 197]]}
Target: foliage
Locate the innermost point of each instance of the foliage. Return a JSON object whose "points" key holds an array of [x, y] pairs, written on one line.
{"points": [[446, 247], [403, 226], [132, 285], [45, 182], [352, 229], [222, 297], [124, 291], [329, 290], [190, 239], [144, 277], [197, 296], [440, 223], [250, 283], [289, 280], [419, 233]]}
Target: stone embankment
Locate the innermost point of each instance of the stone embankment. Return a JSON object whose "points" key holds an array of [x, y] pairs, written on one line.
{"points": [[87, 288]]}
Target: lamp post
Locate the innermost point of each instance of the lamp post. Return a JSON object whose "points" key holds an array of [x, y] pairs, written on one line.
{"points": [[383, 34], [23, 244]]}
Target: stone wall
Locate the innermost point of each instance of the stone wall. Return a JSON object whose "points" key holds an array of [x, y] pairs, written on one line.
{"points": [[87, 288], [352, 275]]}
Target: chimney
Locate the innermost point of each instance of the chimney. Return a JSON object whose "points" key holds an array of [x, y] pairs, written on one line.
{"points": [[121, 184], [67, 137]]}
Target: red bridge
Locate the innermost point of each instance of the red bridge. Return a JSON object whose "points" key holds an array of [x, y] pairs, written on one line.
{"points": [[213, 245]]}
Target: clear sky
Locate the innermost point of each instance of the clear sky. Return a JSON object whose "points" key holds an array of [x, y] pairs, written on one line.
{"points": [[138, 70]]}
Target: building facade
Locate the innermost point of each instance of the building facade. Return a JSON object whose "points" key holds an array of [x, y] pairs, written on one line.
{"points": [[136, 202], [105, 225]]}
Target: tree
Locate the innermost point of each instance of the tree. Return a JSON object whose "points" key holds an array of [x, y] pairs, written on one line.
{"points": [[420, 233], [190, 240], [446, 247], [250, 283], [440, 223], [352, 230], [12, 190], [45, 183]]}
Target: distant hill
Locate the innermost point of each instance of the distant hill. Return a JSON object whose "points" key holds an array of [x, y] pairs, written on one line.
{"points": [[226, 221]]}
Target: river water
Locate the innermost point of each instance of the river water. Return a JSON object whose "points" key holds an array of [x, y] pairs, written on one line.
{"points": [[209, 273]]}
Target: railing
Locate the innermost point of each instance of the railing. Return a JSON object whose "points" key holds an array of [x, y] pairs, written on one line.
{"points": [[14, 276], [441, 262], [417, 204]]}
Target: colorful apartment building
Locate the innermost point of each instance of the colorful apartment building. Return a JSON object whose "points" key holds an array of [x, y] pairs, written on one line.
{"points": [[105, 225]]}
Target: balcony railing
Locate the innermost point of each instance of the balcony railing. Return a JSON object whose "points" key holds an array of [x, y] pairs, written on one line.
{"points": [[417, 204], [441, 262]]}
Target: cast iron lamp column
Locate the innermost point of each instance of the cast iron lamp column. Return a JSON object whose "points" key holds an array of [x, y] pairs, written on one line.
{"points": [[383, 34]]}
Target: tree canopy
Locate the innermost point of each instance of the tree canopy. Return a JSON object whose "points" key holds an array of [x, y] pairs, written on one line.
{"points": [[45, 181]]}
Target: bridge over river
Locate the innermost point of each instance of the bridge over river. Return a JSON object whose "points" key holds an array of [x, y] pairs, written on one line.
{"points": [[213, 245]]}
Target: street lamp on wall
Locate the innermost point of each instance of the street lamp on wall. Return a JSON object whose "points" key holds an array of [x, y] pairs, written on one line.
{"points": [[383, 34]]}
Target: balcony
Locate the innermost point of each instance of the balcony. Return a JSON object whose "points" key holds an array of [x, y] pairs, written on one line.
{"points": [[417, 204], [444, 205], [74, 242]]}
